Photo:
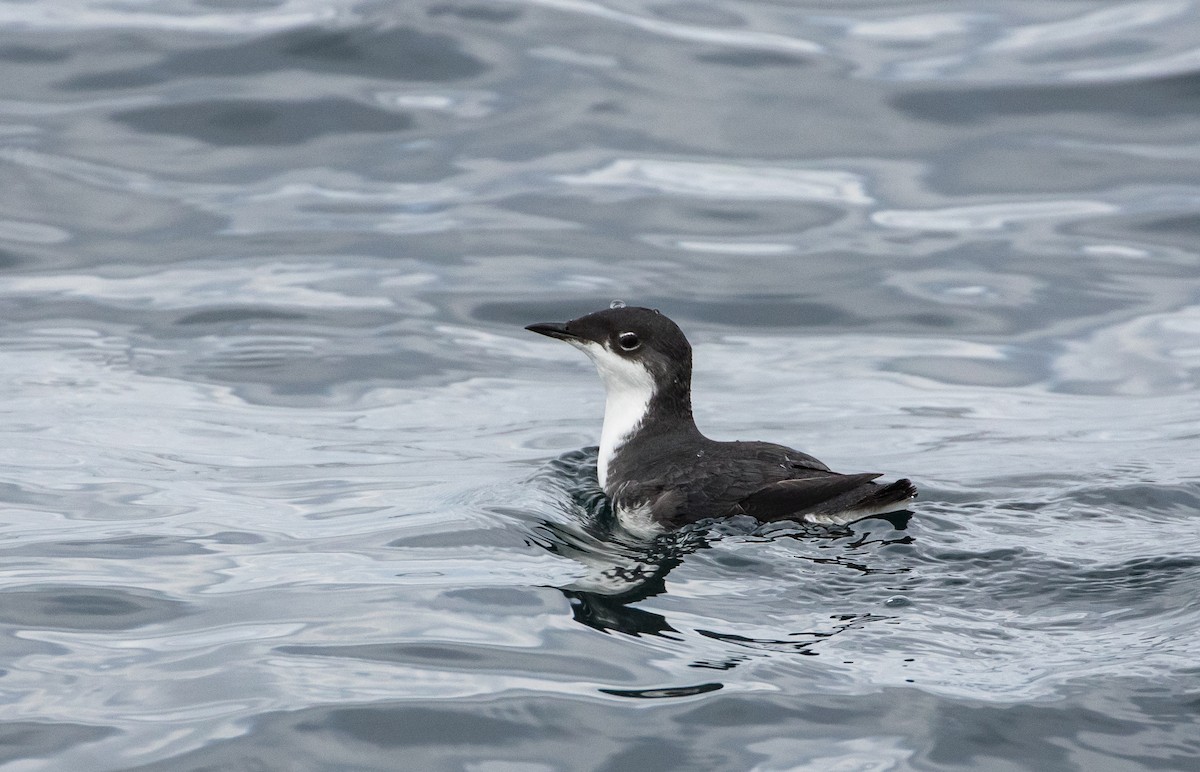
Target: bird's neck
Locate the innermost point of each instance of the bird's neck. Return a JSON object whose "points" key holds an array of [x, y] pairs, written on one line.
{"points": [[634, 411]]}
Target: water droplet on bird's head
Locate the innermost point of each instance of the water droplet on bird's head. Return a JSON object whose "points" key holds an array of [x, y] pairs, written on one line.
{"points": [[617, 304]]}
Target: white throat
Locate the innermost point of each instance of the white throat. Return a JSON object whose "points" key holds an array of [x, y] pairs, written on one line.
{"points": [[628, 389]]}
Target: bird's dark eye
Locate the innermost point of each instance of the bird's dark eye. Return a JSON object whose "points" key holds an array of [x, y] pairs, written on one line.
{"points": [[628, 340]]}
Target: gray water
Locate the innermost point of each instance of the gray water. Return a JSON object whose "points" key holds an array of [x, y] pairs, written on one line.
{"points": [[285, 485]]}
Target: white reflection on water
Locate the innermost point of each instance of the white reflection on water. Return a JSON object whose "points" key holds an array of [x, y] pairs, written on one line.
{"points": [[727, 181], [460, 103], [1153, 354], [724, 36], [1092, 25], [1181, 63], [90, 14], [320, 199], [989, 216], [745, 248], [972, 288], [869, 754], [918, 28], [274, 283], [1056, 43]]}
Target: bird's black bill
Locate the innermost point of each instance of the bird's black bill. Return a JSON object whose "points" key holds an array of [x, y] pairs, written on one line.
{"points": [[553, 330]]}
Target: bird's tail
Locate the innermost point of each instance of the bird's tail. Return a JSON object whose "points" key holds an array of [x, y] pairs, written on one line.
{"points": [[901, 491], [893, 497]]}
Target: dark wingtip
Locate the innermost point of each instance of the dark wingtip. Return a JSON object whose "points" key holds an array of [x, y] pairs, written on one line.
{"points": [[901, 489]]}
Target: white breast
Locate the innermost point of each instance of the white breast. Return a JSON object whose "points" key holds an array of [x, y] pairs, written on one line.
{"points": [[628, 388]]}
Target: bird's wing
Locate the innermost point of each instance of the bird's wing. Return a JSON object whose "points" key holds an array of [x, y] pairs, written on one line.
{"points": [[772, 453], [789, 497], [798, 460]]}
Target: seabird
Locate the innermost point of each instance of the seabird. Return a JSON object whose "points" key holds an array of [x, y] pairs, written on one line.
{"points": [[661, 473]]}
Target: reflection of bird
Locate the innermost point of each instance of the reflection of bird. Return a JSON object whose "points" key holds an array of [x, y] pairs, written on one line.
{"points": [[619, 574], [661, 472]]}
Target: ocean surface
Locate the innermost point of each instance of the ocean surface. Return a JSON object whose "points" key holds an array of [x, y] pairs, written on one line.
{"points": [[284, 484]]}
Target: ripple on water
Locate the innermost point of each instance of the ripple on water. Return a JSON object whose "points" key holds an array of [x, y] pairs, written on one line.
{"points": [[65, 607], [284, 484], [22, 740], [1139, 101], [396, 53], [263, 121]]}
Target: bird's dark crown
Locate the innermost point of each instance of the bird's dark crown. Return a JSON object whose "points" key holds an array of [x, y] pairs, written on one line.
{"points": [[641, 335]]}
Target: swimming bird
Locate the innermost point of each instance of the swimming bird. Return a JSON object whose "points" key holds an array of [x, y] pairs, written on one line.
{"points": [[661, 473]]}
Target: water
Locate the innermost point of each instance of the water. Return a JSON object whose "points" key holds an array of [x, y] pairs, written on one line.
{"points": [[285, 485]]}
